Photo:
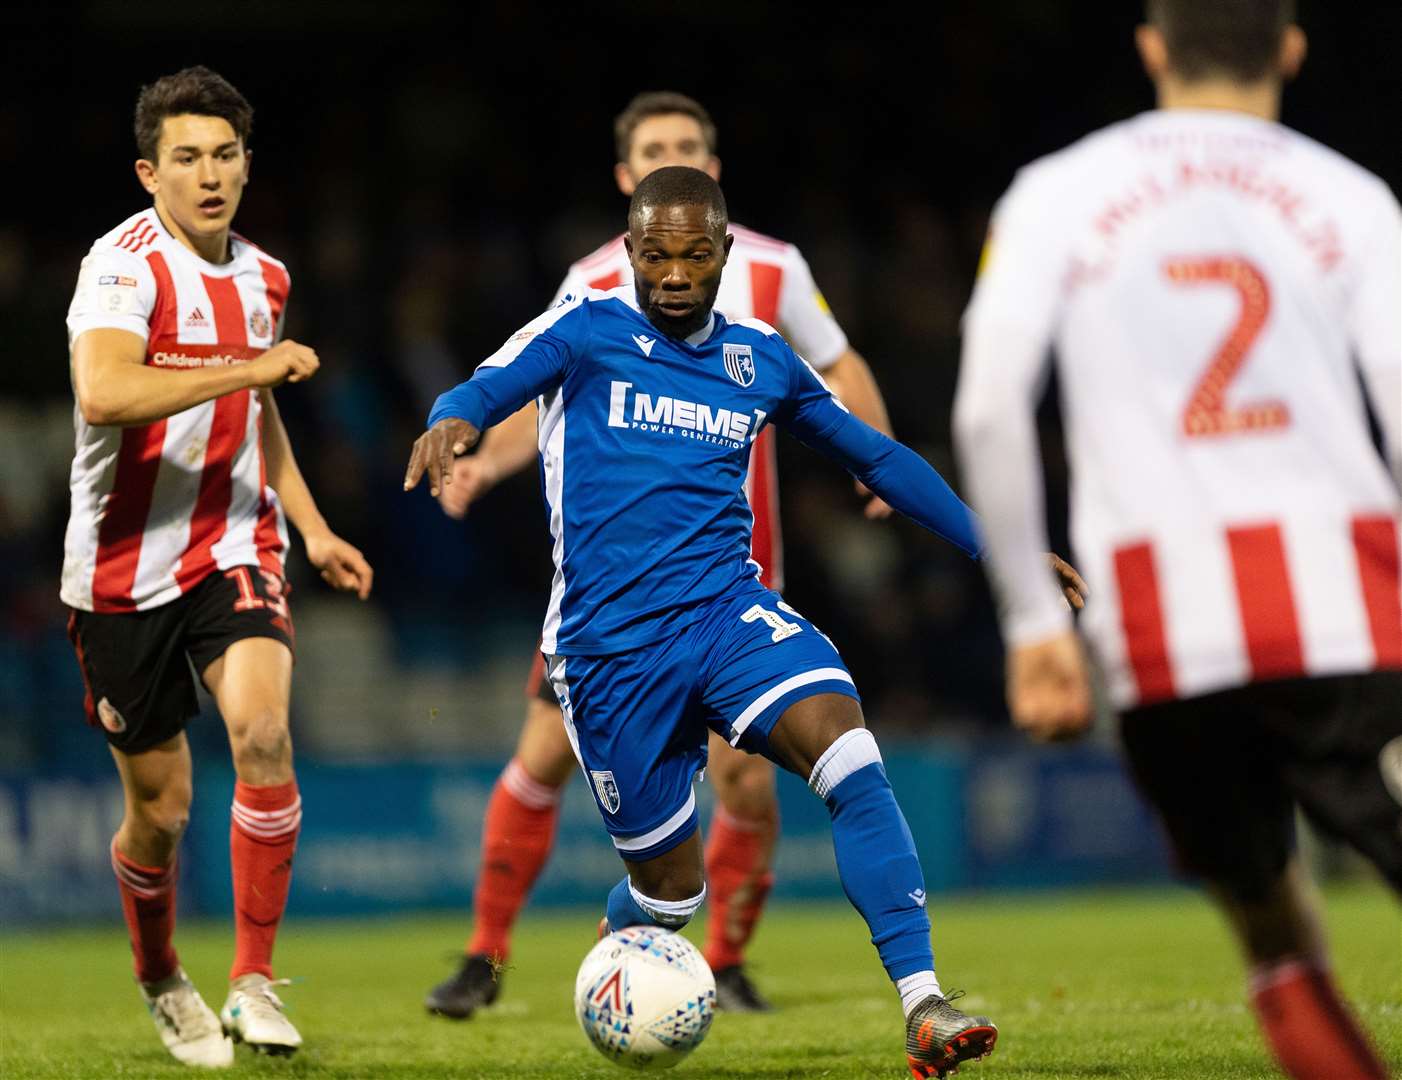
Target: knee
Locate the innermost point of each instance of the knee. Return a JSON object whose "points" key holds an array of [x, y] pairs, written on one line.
{"points": [[162, 818], [746, 788], [850, 752], [260, 741]]}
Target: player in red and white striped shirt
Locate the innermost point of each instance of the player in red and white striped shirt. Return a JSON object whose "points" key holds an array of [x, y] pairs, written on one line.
{"points": [[1208, 279], [176, 539], [766, 279]]}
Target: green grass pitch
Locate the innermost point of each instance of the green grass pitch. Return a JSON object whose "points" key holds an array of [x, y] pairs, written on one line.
{"points": [[1082, 985]]}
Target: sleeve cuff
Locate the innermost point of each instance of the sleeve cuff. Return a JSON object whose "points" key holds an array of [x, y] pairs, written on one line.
{"points": [[460, 403]]}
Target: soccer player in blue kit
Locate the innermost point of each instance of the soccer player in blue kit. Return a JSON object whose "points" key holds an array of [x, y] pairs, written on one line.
{"points": [[658, 627]]}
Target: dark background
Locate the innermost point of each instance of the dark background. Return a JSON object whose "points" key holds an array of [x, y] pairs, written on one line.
{"points": [[429, 171]]}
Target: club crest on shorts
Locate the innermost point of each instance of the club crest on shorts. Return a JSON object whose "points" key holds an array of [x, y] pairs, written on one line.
{"points": [[739, 363], [111, 719], [607, 790]]}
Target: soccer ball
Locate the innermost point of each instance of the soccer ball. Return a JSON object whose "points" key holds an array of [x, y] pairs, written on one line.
{"points": [[645, 997]]}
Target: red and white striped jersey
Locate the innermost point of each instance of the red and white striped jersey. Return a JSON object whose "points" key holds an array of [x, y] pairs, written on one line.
{"points": [[764, 279], [157, 508], [1208, 282]]}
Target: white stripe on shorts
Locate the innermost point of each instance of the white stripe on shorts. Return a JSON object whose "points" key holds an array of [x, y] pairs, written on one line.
{"points": [[774, 693], [657, 835]]}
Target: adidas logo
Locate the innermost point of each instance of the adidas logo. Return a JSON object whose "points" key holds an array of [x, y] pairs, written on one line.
{"points": [[196, 318], [645, 343], [918, 896]]}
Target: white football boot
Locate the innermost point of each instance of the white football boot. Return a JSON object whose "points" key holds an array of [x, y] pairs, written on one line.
{"points": [[186, 1025], [253, 1014]]}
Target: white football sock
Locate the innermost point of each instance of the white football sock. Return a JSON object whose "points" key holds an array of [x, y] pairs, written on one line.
{"points": [[916, 988]]}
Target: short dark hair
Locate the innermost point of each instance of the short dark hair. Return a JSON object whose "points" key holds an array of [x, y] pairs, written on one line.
{"points": [[1236, 38], [659, 103], [194, 91], [680, 185]]}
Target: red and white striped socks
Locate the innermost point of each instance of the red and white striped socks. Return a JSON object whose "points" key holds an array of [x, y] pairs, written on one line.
{"points": [[148, 902], [517, 836], [737, 871], [262, 839], [1308, 1026]]}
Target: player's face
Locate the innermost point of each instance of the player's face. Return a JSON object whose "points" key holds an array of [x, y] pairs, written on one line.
{"points": [[677, 263], [198, 176], [668, 139]]}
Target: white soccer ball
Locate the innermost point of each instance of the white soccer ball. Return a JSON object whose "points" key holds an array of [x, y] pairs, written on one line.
{"points": [[645, 997]]}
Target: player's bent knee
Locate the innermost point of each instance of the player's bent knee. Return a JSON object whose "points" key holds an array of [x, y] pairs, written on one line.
{"points": [[161, 820], [851, 751], [747, 791], [260, 740], [673, 914]]}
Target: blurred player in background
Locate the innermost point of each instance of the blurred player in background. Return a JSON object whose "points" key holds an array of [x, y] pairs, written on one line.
{"points": [[658, 627], [766, 279], [176, 540], [1208, 278]]}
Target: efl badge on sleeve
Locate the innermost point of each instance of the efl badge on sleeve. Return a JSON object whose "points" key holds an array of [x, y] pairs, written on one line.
{"points": [[607, 790], [739, 363]]}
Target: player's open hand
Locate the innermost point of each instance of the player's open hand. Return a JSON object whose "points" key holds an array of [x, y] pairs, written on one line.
{"points": [[434, 451], [876, 508], [1049, 688], [1073, 586], [472, 478], [286, 361], [341, 564]]}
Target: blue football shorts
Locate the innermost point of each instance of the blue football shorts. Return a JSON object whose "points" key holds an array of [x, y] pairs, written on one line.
{"points": [[638, 720]]}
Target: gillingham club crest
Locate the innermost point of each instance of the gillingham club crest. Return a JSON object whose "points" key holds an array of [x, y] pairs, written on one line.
{"points": [[739, 363], [607, 790]]}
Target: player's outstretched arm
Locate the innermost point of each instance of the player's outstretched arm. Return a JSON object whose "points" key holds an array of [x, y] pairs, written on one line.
{"points": [[895, 472], [115, 387], [1375, 327], [503, 452], [851, 380], [531, 362], [341, 564]]}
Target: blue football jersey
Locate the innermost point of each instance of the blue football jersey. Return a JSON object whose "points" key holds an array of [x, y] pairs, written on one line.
{"points": [[644, 441]]}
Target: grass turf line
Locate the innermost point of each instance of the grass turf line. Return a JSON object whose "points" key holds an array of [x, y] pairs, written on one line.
{"points": [[1082, 985]]}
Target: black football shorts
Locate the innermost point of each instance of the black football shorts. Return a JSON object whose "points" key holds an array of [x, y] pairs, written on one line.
{"points": [[1226, 770], [140, 689]]}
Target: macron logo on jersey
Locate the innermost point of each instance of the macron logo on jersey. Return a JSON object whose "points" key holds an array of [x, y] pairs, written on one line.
{"points": [[645, 343], [672, 416]]}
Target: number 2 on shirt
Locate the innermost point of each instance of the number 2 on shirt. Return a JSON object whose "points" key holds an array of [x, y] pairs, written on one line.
{"points": [[1206, 412]]}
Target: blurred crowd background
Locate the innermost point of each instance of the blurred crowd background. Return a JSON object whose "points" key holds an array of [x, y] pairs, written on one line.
{"points": [[428, 171]]}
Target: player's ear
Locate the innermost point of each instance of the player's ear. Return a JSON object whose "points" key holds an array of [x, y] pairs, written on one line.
{"points": [[146, 174], [623, 177], [713, 168], [247, 163], [1153, 50], [1293, 48]]}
